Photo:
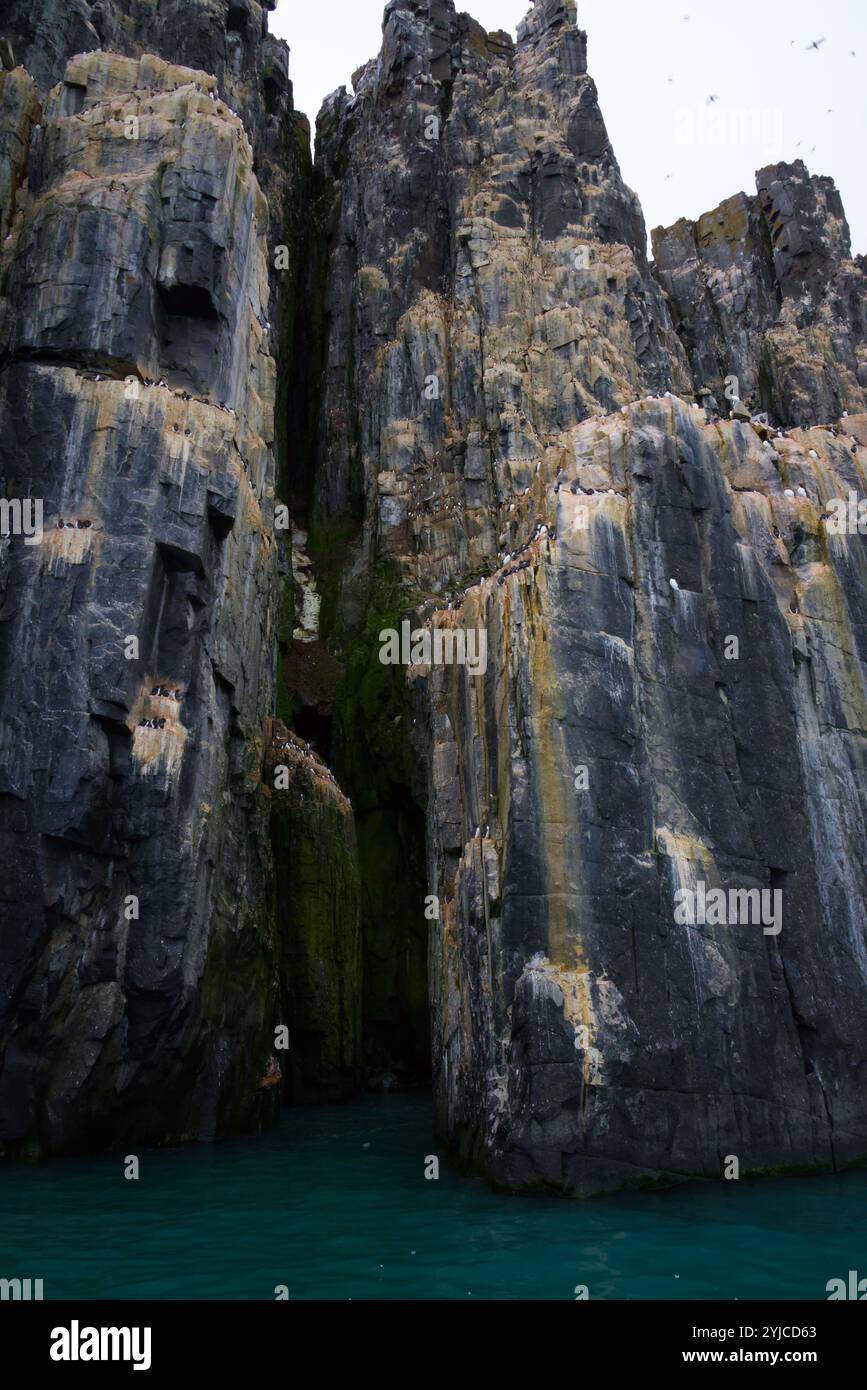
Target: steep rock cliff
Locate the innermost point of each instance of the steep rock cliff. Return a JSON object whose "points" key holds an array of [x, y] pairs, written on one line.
{"points": [[486, 285], [485, 404], [250, 68], [675, 683], [766, 289], [138, 639], [631, 739]]}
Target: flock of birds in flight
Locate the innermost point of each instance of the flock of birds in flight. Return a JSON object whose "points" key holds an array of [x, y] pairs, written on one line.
{"points": [[812, 47]]}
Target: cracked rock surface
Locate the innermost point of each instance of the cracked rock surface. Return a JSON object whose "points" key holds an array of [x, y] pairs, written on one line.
{"points": [[137, 402], [500, 359], [487, 403]]}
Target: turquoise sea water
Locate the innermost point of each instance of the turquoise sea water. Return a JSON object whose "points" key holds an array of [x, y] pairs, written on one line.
{"points": [[334, 1204]]}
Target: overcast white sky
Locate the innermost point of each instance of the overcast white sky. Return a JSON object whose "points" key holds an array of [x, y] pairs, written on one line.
{"points": [[681, 155]]}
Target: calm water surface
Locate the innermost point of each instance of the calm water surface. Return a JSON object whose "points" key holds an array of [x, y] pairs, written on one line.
{"points": [[334, 1204]]}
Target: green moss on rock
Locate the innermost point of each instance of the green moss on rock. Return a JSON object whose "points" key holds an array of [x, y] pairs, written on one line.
{"points": [[319, 947]]}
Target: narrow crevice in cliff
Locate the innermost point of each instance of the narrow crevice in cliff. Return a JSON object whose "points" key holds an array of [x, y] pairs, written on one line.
{"points": [[303, 369], [332, 696], [807, 1034]]}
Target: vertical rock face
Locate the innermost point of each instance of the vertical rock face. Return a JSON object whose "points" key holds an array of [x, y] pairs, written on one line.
{"points": [[231, 43], [631, 740], [317, 891], [668, 702], [138, 636], [487, 286], [766, 289], [674, 696], [19, 113], [506, 271]]}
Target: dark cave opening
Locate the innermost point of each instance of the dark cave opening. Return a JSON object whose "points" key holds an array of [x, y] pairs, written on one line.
{"points": [[187, 319], [72, 98], [175, 610], [315, 727], [271, 92], [187, 301], [237, 21]]}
